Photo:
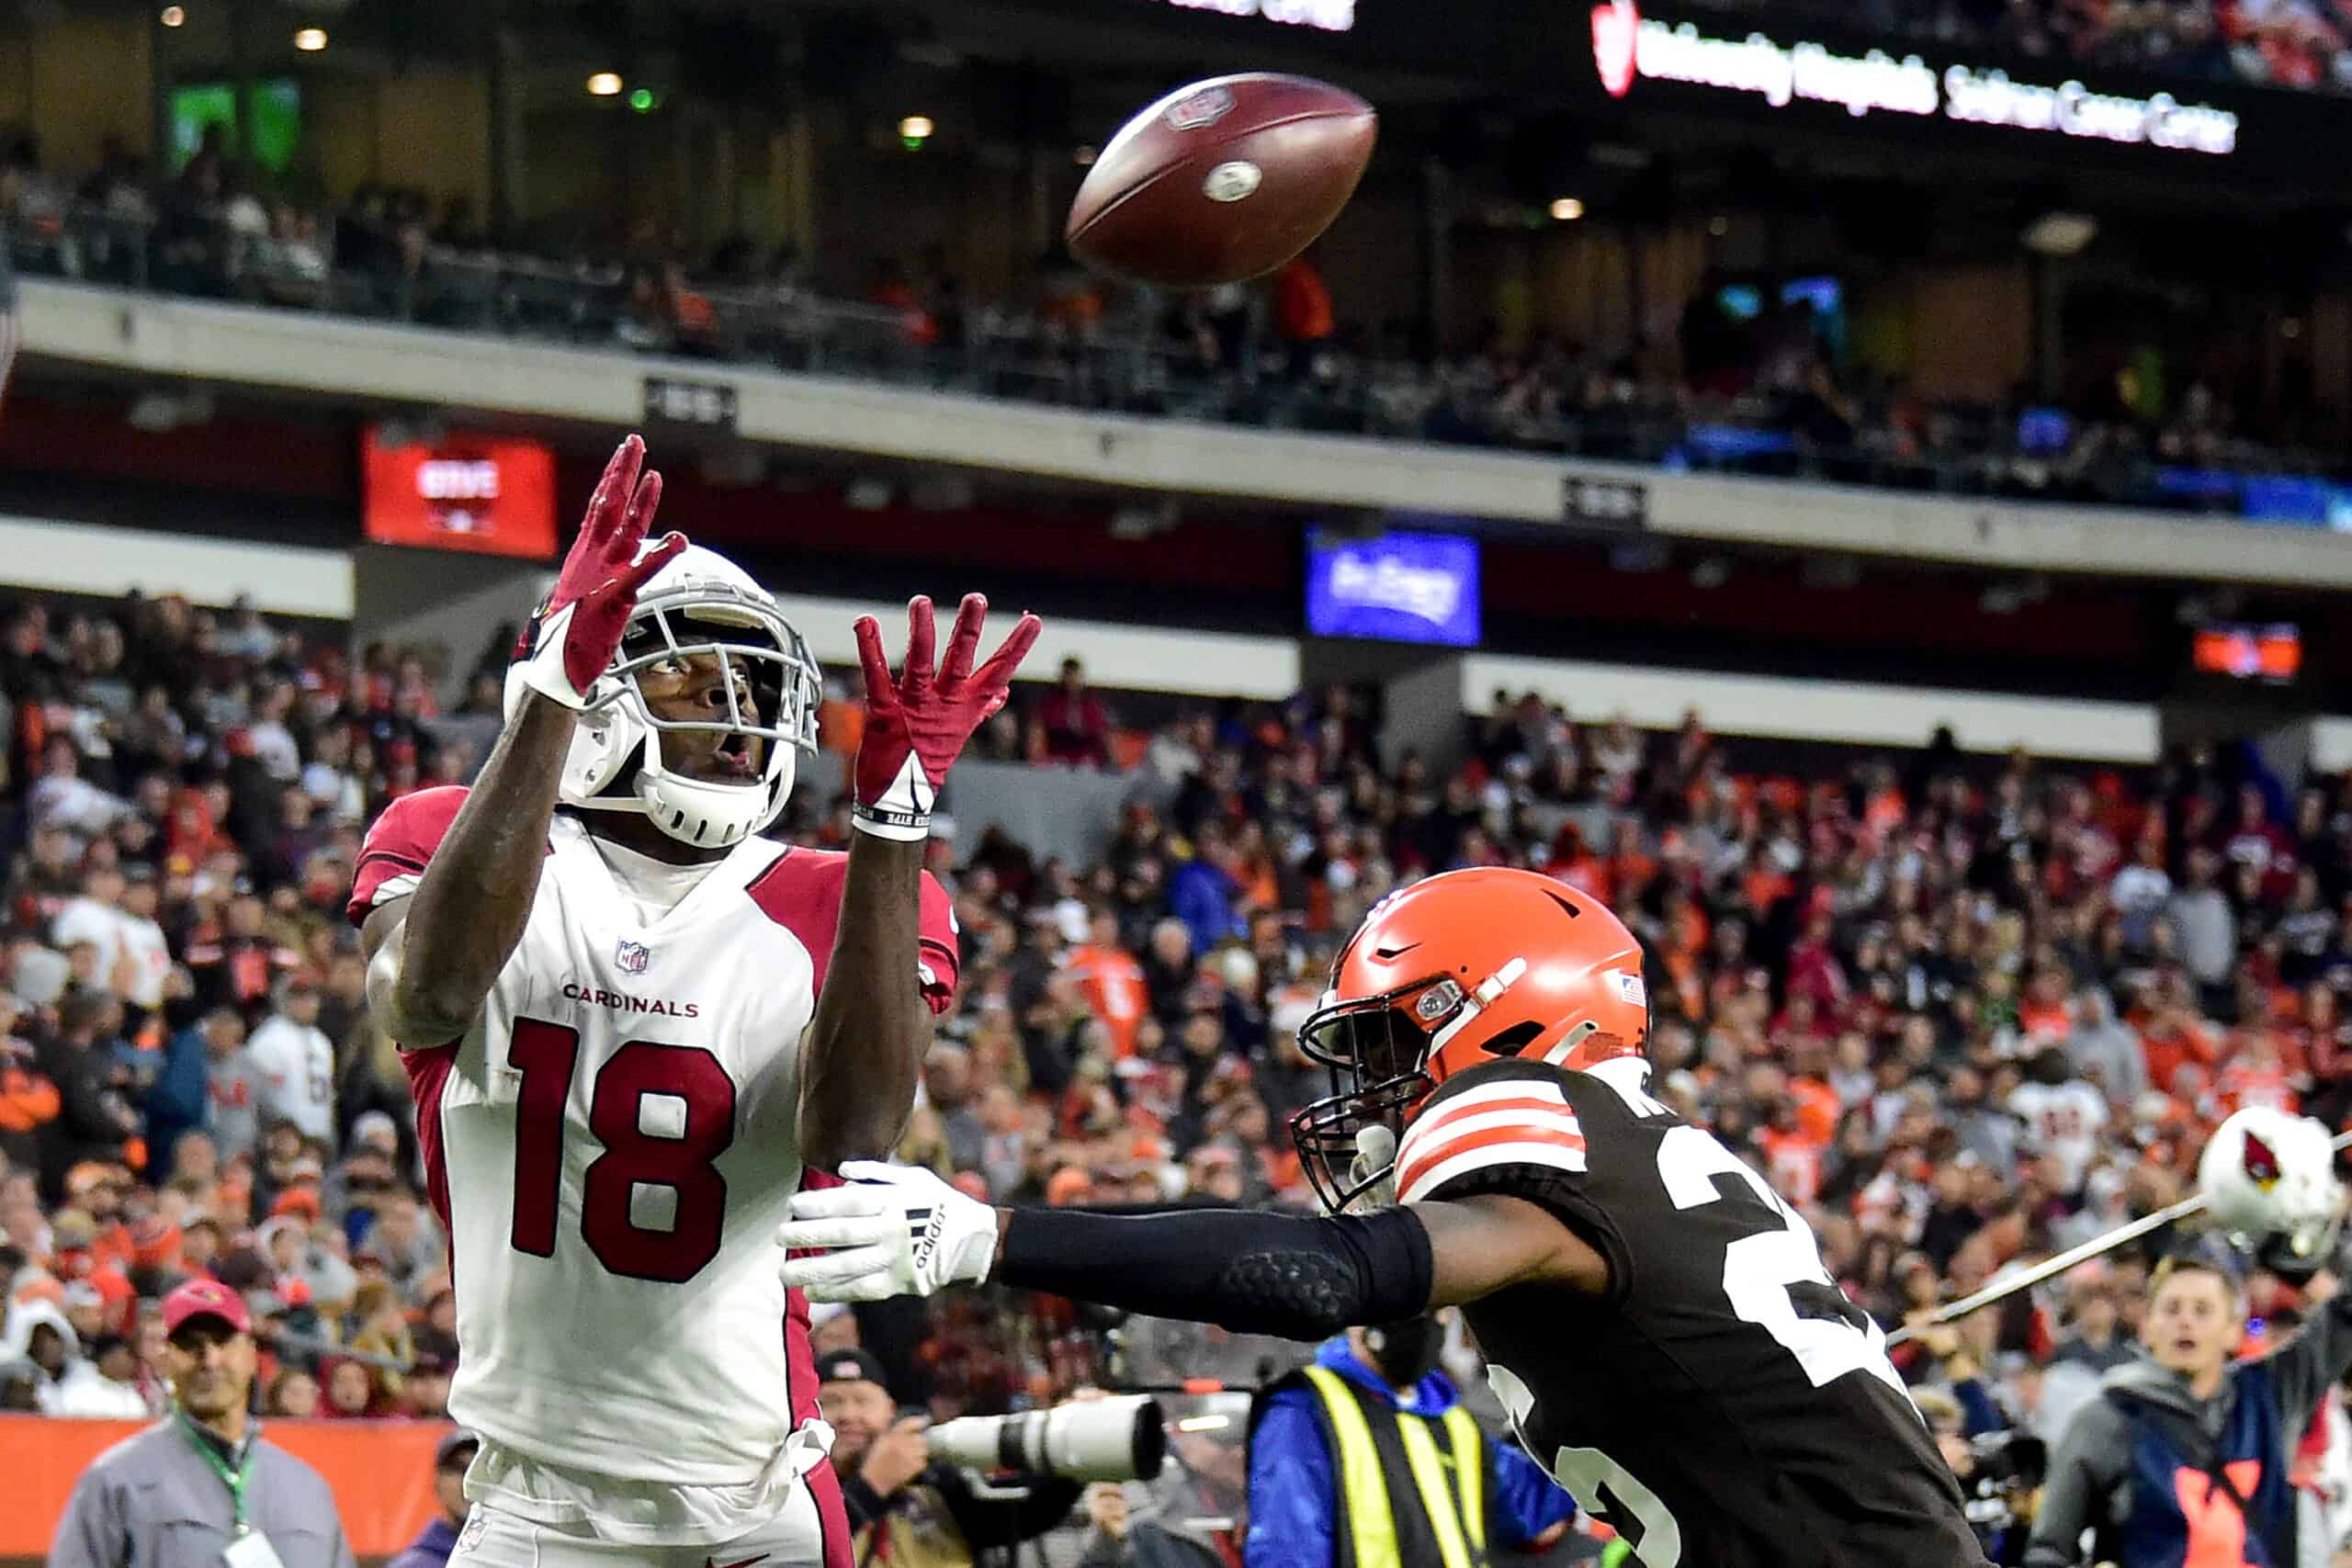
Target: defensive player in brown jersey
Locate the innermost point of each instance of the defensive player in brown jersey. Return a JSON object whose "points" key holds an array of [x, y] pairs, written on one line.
{"points": [[1655, 1317]]}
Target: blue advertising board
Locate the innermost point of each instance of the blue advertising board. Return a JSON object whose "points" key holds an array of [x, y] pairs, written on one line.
{"points": [[1400, 587]]}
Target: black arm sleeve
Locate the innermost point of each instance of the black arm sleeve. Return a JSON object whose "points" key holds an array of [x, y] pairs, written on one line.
{"points": [[1292, 1275]]}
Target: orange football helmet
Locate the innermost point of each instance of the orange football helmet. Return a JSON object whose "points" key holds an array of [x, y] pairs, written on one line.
{"points": [[1456, 970]]}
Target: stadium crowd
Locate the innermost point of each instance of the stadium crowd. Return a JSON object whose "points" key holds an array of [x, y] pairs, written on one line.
{"points": [[1964, 1013], [1760, 390]]}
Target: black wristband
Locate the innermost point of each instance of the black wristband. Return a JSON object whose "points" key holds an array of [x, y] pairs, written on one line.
{"points": [[1297, 1276]]}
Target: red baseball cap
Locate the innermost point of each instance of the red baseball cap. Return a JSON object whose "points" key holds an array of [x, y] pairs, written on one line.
{"points": [[206, 1297]]}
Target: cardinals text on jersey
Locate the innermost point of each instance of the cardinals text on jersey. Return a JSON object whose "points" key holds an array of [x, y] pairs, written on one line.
{"points": [[612, 1146], [1727, 1406]]}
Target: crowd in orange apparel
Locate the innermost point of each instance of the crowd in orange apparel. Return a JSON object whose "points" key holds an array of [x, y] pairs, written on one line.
{"points": [[1965, 1011]]}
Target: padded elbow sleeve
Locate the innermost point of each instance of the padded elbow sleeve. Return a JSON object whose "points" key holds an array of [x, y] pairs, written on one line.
{"points": [[1295, 1276]]}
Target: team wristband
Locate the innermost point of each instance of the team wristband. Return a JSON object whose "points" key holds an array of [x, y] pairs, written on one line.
{"points": [[901, 827]]}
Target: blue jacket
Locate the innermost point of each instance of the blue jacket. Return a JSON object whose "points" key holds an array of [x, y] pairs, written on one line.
{"points": [[175, 1101], [430, 1550], [1202, 896], [1294, 1496]]}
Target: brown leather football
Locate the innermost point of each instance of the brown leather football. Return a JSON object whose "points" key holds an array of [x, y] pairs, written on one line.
{"points": [[1223, 180]]}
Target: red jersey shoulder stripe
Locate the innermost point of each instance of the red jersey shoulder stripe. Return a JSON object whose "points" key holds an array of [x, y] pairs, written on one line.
{"points": [[1518, 1121]]}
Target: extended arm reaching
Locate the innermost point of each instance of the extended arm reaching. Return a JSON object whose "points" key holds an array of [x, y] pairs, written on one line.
{"points": [[433, 954], [872, 1029], [895, 1230]]}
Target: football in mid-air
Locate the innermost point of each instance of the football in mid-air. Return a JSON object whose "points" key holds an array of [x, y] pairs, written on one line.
{"points": [[1221, 181]]}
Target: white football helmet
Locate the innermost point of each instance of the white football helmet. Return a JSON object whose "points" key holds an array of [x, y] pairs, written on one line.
{"points": [[2265, 1173], [700, 603]]}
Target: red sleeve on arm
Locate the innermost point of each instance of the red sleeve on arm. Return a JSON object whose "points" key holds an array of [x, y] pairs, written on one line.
{"points": [[941, 950], [398, 844]]}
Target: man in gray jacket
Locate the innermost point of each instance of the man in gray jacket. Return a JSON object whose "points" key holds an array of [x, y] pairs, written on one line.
{"points": [[200, 1489], [2183, 1458]]}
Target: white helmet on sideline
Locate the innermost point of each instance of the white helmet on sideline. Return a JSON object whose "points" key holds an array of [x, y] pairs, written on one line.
{"points": [[2267, 1173], [699, 602]]}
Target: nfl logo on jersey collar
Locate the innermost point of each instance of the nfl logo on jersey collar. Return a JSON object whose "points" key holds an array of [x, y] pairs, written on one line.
{"points": [[633, 957]]}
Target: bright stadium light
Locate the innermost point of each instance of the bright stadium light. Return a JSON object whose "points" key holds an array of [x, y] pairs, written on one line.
{"points": [[173, 17], [1568, 209], [915, 129], [309, 41], [605, 84]]}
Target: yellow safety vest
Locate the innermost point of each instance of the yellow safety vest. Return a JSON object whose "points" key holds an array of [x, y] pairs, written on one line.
{"points": [[1374, 1447]]}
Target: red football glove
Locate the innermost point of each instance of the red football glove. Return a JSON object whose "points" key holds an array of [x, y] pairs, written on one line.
{"points": [[571, 638], [915, 728]]}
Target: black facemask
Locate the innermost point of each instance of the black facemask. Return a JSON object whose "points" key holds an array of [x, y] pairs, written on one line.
{"points": [[1405, 1352]]}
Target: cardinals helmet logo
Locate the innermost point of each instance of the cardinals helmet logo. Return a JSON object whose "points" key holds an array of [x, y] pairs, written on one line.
{"points": [[2261, 1163], [1615, 26]]}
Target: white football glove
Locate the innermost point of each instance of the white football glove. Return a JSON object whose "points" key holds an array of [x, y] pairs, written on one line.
{"points": [[894, 1230], [1376, 1157]]}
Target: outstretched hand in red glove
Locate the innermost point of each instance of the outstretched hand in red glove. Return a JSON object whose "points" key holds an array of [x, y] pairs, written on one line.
{"points": [[571, 638], [916, 726]]}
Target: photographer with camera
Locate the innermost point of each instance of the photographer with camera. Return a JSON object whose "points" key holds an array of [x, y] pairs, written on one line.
{"points": [[906, 1508], [1997, 1470]]}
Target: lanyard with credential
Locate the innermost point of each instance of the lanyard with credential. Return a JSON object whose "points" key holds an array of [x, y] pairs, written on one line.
{"points": [[233, 1477]]}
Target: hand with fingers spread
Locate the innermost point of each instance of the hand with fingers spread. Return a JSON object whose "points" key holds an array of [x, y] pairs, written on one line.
{"points": [[890, 1230], [571, 638], [916, 726]]}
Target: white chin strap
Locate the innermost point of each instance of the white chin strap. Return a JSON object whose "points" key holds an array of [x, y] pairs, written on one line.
{"points": [[712, 816]]}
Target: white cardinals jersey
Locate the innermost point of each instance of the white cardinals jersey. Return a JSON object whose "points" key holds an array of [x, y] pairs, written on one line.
{"points": [[2061, 1121], [613, 1144]]}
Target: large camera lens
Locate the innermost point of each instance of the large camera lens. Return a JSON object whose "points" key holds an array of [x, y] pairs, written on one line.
{"points": [[1104, 1439]]}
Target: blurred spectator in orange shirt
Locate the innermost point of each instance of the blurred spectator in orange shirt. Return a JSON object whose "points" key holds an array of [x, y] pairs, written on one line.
{"points": [[2256, 1073], [2171, 1035], [2046, 1015], [1629, 865], [1818, 1106], [1303, 317], [1792, 1159], [1112, 982]]}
